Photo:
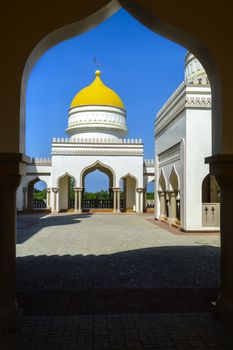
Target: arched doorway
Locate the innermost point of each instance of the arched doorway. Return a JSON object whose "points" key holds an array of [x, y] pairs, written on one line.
{"points": [[110, 201], [174, 198], [129, 197], [36, 195], [149, 197], [210, 202], [97, 191], [66, 184], [162, 208]]}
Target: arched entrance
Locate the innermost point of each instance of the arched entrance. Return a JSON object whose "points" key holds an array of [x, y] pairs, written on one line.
{"points": [[36, 197], [174, 198], [162, 208], [149, 197], [129, 200], [66, 184], [108, 203]]}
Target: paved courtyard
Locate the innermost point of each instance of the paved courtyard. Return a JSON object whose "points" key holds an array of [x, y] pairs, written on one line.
{"points": [[108, 281]]}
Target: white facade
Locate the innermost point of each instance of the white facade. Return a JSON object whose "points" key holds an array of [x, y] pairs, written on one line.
{"points": [[95, 142], [182, 141]]}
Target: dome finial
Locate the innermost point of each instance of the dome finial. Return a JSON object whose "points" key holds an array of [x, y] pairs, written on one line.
{"points": [[97, 64], [97, 73]]}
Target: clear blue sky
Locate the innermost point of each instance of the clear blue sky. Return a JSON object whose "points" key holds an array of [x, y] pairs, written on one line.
{"points": [[141, 66]]}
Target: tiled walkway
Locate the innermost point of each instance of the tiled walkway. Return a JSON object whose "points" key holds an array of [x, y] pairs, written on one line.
{"points": [[108, 281]]}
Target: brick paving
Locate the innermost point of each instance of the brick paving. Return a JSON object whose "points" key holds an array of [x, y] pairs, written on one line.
{"points": [[107, 281]]}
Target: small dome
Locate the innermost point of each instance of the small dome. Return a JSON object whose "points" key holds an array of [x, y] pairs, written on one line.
{"points": [[97, 94]]}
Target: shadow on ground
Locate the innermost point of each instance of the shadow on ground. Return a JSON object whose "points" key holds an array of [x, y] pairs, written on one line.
{"points": [[29, 224], [161, 279]]}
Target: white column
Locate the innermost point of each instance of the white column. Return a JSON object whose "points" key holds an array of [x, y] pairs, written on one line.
{"points": [[75, 199], [114, 200], [172, 207], [79, 190], [48, 191], [140, 199], [118, 200], [55, 204], [162, 200]]}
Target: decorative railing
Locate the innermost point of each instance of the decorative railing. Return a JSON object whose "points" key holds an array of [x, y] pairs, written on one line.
{"points": [[39, 203], [97, 203], [96, 140], [150, 203]]}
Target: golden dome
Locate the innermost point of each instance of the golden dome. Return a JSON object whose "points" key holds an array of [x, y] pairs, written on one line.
{"points": [[97, 94]]}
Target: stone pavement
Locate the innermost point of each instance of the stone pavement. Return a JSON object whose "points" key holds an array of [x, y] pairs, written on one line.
{"points": [[107, 281]]}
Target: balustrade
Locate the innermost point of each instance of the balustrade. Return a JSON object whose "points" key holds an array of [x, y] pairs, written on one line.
{"points": [[39, 203]]}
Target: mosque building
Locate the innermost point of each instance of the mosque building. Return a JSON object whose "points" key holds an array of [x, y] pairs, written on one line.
{"points": [[97, 129], [185, 194]]}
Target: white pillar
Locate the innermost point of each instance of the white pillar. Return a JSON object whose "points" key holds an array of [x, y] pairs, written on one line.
{"points": [[55, 204], [140, 199], [114, 200], [78, 193], [172, 207], [75, 199], [118, 200], [162, 200], [48, 191]]}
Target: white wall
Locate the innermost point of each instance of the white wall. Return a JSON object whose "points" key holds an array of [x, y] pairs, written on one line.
{"points": [[198, 146], [74, 165], [171, 134]]}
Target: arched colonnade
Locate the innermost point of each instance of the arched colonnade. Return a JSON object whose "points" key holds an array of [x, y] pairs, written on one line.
{"points": [[124, 193], [169, 197]]}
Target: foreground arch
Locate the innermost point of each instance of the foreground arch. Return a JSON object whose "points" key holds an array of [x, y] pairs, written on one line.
{"points": [[159, 16]]}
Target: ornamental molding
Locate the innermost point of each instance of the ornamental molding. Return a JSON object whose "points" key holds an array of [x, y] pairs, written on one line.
{"points": [[169, 156], [113, 141], [101, 119], [184, 97], [96, 108], [174, 113], [198, 102], [181, 88], [102, 152]]}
